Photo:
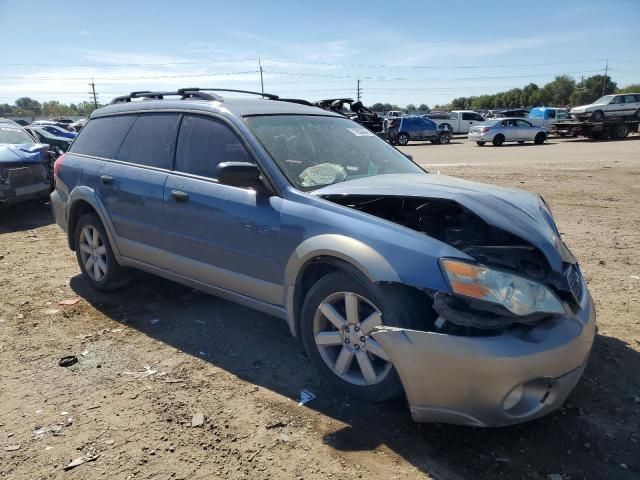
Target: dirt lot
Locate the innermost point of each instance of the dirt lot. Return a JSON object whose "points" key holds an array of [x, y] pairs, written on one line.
{"points": [[243, 371]]}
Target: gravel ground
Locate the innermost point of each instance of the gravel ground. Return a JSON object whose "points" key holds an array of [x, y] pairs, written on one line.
{"points": [[157, 356]]}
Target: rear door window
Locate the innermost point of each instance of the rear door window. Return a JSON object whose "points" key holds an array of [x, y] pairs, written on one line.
{"points": [[150, 140], [102, 137], [203, 143]]}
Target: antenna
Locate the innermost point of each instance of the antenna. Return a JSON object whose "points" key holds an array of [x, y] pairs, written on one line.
{"points": [[93, 89], [261, 79]]}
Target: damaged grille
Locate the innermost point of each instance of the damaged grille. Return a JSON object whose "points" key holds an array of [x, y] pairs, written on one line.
{"points": [[572, 276]]}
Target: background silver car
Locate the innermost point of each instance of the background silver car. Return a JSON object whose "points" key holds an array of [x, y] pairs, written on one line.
{"points": [[503, 130]]}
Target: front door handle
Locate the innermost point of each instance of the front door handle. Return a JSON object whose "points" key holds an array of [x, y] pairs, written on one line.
{"points": [[106, 179], [179, 196]]}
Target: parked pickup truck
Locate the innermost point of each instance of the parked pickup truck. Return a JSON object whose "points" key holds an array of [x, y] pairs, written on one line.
{"points": [[459, 121], [547, 117]]}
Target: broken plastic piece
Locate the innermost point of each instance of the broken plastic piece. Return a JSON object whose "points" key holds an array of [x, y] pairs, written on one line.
{"points": [[69, 301], [79, 461], [305, 397], [68, 361]]}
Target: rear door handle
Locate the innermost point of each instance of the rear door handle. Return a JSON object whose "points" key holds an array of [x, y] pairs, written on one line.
{"points": [[179, 196], [106, 179]]}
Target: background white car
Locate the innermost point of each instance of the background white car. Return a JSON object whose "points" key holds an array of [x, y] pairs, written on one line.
{"points": [[622, 105]]}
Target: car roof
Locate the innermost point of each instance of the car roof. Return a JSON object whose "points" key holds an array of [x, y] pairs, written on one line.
{"points": [[236, 106]]}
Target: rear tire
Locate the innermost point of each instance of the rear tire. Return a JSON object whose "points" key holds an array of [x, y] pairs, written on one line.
{"points": [[637, 115], [498, 140], [520, 141], [444, 138], [402, 139], [326, 340], [620, 131], [597, 116], [481, 144], [540, 138], [95, 256]]}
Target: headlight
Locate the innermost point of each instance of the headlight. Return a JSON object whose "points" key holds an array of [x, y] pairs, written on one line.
{"points": [[517, 294]]}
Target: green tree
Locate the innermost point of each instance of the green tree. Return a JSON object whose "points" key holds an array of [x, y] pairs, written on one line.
{"points": [[27, 104], [377, 107], [591, 89], [633, 88], [6, 109], [459, 103], [560, 89], [410, 108], [54, 108], [423, 107]]}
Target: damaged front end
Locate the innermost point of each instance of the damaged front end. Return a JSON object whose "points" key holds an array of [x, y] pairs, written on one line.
{"points": [[501, 253], [510, 337]]}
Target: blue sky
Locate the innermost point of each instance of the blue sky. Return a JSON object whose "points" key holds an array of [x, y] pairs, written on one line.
{"points": [[403, 52]]}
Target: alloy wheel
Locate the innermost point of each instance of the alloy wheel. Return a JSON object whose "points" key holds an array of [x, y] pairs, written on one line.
{"points": [[342, 328], [93, 253]]}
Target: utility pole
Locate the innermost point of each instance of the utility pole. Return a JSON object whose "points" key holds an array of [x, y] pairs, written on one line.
{"points": [[261, 79], [93, 90], [359, 92], [604, 82]]}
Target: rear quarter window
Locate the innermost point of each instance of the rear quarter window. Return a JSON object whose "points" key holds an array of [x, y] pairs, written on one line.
{"points": [[102, 137]]}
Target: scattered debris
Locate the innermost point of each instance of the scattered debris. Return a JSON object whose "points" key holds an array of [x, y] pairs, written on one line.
{"points": [[203, 354], [117, 330], [12, 448], [84, 353], [68, 361], [79, 461], [277, 424], [51, 311], [283, 437], [56, 429], [305, 397], [64, 414], [84, 337], [32, 234], [69, 301], [154, 321], [635, 277], [147, 372], [111, 441], [197, 420]]}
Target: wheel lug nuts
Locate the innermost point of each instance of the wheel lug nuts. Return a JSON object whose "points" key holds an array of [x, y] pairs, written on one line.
{"points": [[346, 340], [362, 339], [357, 346], [346, 329], [356, 328]]}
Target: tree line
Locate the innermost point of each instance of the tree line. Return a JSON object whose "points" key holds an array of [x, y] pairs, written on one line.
{"points": [[560, 92], [28, 107]]}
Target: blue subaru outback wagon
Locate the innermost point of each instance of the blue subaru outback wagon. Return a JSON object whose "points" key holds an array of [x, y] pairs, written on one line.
{"points": [[461, 296]]}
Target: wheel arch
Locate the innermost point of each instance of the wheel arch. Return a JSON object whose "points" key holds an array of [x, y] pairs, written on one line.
{"points": [[320, 255], [84, 200]]}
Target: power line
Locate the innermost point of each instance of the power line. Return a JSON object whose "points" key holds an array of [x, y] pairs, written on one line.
{"points": [[306, 62]]}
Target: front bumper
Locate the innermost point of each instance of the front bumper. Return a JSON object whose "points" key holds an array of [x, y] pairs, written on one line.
{"points": [[465, 380], [10, 195]]}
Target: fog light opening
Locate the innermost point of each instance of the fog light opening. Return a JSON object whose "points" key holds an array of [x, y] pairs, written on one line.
{"points": [[513, 398]]}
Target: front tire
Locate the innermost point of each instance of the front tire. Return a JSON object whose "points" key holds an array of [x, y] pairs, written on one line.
{"points": [[597, 116], [498, 140], [95, 255], [338, 316], [620, 131], [481, 144], [540, 138]]}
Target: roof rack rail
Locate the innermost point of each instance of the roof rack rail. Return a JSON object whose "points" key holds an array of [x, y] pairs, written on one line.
{"points": [[184, 93], [270, 96], [297, 100]]}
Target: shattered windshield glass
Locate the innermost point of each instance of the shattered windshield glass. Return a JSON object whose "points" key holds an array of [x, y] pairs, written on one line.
{"points": [[315, 151]]}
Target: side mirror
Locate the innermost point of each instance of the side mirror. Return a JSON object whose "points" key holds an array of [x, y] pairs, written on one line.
{"points": [[410, 157], [239, 174]]}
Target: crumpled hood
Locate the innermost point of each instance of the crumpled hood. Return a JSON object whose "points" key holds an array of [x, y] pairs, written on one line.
{"points": [[27, 152], [515, 211]]}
